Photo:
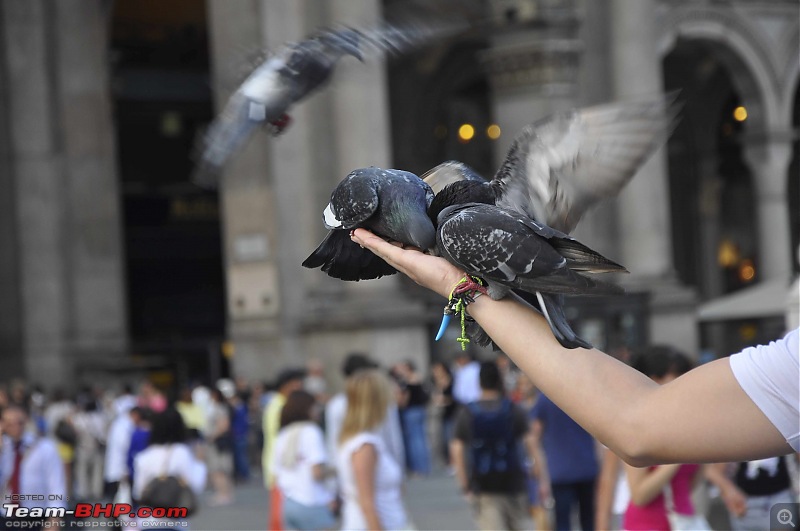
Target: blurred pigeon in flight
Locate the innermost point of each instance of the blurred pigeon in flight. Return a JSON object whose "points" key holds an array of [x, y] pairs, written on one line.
{"points": [[289, 76], [391, 203]]}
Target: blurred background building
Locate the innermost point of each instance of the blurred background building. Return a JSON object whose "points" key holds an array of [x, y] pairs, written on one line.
{"points": [[113, 263]]}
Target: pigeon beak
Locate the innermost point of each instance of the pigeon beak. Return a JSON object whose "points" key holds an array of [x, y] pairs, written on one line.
{"points": [[329, 219], [419, 231]]}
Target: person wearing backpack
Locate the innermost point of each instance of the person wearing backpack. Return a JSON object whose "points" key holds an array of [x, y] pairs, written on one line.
{"points": [[488, 450]]}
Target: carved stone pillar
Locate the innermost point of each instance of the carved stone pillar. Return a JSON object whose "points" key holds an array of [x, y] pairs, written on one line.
{"points": [[643, 218], [769, 158]]}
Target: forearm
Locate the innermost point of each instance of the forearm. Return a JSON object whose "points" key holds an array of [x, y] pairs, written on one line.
{"points": [[367, 504], [703, 416], [597, 391], [606, 484], [537, 456], [646, 486], [457, 458]]}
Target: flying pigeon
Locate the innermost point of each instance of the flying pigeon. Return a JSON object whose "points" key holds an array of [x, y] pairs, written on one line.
{"points": [[289, 76], [391, 203]]}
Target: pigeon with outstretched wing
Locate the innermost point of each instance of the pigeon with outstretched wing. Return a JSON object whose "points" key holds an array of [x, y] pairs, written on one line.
{"points": [[555, 170]]}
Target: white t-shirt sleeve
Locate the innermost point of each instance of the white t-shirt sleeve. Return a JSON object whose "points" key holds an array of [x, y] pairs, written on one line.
{"points": [[770, 375], [313, 445]]}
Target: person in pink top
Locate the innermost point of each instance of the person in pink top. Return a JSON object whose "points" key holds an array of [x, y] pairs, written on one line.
{"points": [[151, 397], [658, 491]]}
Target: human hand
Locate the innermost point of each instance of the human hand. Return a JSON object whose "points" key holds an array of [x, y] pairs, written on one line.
{"points": [[434, 273], [545, 493], [735, 500]]}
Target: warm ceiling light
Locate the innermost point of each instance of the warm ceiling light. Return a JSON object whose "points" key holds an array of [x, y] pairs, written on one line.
{"points": [[493, 131], [740, 114], [466, 132], [747, 271]]}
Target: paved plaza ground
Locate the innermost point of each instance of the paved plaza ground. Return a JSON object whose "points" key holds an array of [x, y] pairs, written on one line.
{"points": [[433, 503]]}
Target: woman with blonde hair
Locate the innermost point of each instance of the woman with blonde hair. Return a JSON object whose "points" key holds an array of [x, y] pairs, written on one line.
{"points": [[370, 477]]}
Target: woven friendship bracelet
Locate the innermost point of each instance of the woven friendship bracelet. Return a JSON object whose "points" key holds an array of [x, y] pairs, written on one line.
{"points": [[464, 293]]}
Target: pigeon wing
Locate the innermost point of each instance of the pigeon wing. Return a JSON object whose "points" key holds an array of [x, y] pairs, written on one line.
{"points": [[448, 173], [340, 257], [499, 245], [559, 167]]}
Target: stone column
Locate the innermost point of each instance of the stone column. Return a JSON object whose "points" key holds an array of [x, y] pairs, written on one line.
{"points": [[643, 217], [93, 229], [38, 188], [247, 199], [65, 256], [644, 228], [11, 352], [769, 158]]}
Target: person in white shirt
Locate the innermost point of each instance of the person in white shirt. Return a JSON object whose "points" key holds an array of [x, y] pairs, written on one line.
{"points": [[370, 478], [300, 466], [90, 426], [118, 441], [389, 430], [29, 464], [167, 454], [466, 379]]}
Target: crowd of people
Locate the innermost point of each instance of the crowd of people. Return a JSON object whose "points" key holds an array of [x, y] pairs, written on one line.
{"points": [[340, 460]]}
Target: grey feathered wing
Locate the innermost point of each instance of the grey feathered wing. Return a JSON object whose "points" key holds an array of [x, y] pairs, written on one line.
{"points": [[558, 167]]}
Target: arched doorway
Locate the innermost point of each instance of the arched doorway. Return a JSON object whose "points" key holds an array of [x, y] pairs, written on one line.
{"points": [[162, 99], [711, 186]]}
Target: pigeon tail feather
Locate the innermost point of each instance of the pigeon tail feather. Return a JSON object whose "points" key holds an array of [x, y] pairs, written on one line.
{"points": [[553, 306], [582, 258], [340, 257]]}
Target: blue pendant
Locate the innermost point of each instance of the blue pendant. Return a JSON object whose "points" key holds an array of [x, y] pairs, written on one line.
{"points": [[442, 327]]}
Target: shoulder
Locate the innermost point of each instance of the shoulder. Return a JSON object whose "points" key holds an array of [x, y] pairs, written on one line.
{"points": [[311, 430], [44, 446], [181, 451], [770, 376], [359, 440], [336, 404]]}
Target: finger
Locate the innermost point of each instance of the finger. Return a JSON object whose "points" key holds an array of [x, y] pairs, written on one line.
{"points": [[377, 245]]}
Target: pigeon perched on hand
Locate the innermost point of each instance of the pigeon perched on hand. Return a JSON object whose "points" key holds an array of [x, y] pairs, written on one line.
{"points": [[555, 170], [510, 251], [289, 76], [391, 203]]}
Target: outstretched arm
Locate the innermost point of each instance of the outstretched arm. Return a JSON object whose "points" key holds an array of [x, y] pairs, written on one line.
{"points": [[703, 416]]}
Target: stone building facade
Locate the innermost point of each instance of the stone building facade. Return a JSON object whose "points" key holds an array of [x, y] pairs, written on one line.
{"points": [[66, 295]]}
